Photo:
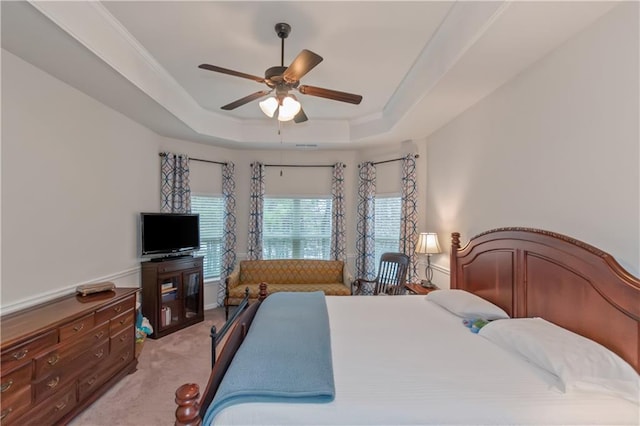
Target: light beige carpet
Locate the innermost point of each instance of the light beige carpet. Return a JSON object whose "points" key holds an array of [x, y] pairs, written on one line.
{"points": [[146, 397]]}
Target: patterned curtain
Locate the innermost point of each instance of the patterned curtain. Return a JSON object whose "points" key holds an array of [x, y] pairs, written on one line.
{"points": [[338, 234], [365, 242], [229, 239], [409, 214], [256, 207], [175, 194]]}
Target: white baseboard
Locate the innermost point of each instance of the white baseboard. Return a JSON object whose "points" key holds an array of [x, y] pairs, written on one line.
{"points": [[126, 278]]}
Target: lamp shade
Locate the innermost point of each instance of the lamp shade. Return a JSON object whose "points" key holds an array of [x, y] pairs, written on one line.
{"points": [[428, 243], [269, 106], [289, 108]]}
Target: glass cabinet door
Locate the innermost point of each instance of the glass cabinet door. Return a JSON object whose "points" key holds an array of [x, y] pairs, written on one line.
{"points": [[170, 297], [191, 293]]}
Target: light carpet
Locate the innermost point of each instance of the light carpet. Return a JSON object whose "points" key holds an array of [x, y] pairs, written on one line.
{"points": [[146, 397]]}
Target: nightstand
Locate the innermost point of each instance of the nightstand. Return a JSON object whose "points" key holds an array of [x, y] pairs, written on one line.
{"points": [[418, 289]]}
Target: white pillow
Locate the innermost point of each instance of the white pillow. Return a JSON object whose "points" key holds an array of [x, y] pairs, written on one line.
{"points": [[466, 305], [580, 363]]}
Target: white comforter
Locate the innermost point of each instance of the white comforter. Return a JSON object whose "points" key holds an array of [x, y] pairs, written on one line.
{"points": [[403, 360]]}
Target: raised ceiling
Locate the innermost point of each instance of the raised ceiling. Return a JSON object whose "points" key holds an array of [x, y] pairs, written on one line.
{"points": [[416, 64]]}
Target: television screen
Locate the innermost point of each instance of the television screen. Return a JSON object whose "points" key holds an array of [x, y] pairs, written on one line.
{"points": [[166, 233]]}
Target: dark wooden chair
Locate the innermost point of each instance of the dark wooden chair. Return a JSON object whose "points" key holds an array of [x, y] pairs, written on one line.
{"points": [[392, 275]]}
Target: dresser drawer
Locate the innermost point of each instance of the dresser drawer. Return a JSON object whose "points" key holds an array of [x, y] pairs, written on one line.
{"points": [[15, 404], [117, 361], [123, 340], [121, 322], [95, 377], [16, 355], [66, 352], [91, 356], [51, 384], [115, 309], [77, 327], [14, 381], [52, 409]]}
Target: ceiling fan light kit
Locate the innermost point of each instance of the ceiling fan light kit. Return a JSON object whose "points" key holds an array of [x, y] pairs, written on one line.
{"points": [[283, 80]]}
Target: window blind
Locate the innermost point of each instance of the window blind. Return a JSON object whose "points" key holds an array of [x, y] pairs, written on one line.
{"points": [[296, 228], [387, 226]]}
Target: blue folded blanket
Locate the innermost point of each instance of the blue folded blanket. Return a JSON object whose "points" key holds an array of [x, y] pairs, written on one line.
{"points": [[285, 357]]}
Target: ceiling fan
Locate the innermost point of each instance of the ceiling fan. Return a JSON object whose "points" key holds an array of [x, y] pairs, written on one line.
{"points": [[283, 80]]}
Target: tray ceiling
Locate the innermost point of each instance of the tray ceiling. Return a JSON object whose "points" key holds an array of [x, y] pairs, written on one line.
{"points": [[416, 64]]}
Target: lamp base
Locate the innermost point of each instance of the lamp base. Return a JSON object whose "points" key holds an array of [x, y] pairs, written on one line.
{"points": [[427, 284]]}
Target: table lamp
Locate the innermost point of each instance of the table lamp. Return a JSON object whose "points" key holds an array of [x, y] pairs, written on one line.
{"points": [[428, 244]]}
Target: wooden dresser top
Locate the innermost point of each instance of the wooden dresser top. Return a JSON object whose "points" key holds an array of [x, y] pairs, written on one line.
{"points": [[32, 321]]}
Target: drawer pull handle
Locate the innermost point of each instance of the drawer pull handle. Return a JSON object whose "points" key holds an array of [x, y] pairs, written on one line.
{"points": [[117, 308], [78, 327], [20, 354], [100, 354], [5, 413], [92, 380], [61, 405], [53, 359], [53, 383], [5, 386], [123, 338], [99, 335], [124, 357], [122, 321]]}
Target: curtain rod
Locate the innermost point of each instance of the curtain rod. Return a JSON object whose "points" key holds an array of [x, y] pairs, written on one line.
{"points": [[389, 161], [198, 159], [300, 165]]}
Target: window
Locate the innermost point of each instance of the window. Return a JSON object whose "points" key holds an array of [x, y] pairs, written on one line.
{"points": [[296, 228], [211, 210], [387, 226]]}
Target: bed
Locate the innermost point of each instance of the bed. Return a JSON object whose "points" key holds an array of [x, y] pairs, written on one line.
{"points": [[408, 360]]}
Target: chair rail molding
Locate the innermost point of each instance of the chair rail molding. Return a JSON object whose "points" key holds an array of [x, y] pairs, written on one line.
{"points": [[126, 278]]}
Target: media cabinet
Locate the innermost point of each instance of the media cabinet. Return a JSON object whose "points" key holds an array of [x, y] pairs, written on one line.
{"points": [[172, 293]]}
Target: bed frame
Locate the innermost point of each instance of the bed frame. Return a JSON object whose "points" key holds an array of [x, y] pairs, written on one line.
{"points": [[527, 272]]}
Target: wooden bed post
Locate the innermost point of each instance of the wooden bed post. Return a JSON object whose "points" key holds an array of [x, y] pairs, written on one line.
{"points": [[453, 263], [263, 292], [187, 413]]}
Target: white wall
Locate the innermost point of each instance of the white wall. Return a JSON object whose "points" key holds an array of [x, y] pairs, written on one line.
{"points": [[556, 148], [76, 174]]}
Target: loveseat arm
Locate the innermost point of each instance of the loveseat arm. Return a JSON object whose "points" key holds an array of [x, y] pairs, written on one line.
{"points": [[348, 279], [233, 279]]}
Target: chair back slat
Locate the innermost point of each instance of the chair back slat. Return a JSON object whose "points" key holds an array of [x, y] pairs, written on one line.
{"points": [[392, 274]]}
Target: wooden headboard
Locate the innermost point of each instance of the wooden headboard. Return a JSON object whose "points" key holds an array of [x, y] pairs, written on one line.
{"points": [[535, 273]]}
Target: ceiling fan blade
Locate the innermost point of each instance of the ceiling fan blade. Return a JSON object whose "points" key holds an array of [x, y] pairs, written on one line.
{"points": [[246, 99], [302, 64], [330, 94], [231, 72], [300, 117]]}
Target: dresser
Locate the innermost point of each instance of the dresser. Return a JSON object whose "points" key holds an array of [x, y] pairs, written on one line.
{"points": [[59, 357]]}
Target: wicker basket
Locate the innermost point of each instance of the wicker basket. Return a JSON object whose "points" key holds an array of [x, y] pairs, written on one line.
{"points": [[139, 345]]}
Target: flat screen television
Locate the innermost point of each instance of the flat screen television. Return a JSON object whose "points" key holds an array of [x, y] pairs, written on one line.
{"points": [[169, 233]]}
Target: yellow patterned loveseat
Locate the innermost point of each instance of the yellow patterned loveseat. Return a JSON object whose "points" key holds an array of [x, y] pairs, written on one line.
{"points": [[329, 276]]}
